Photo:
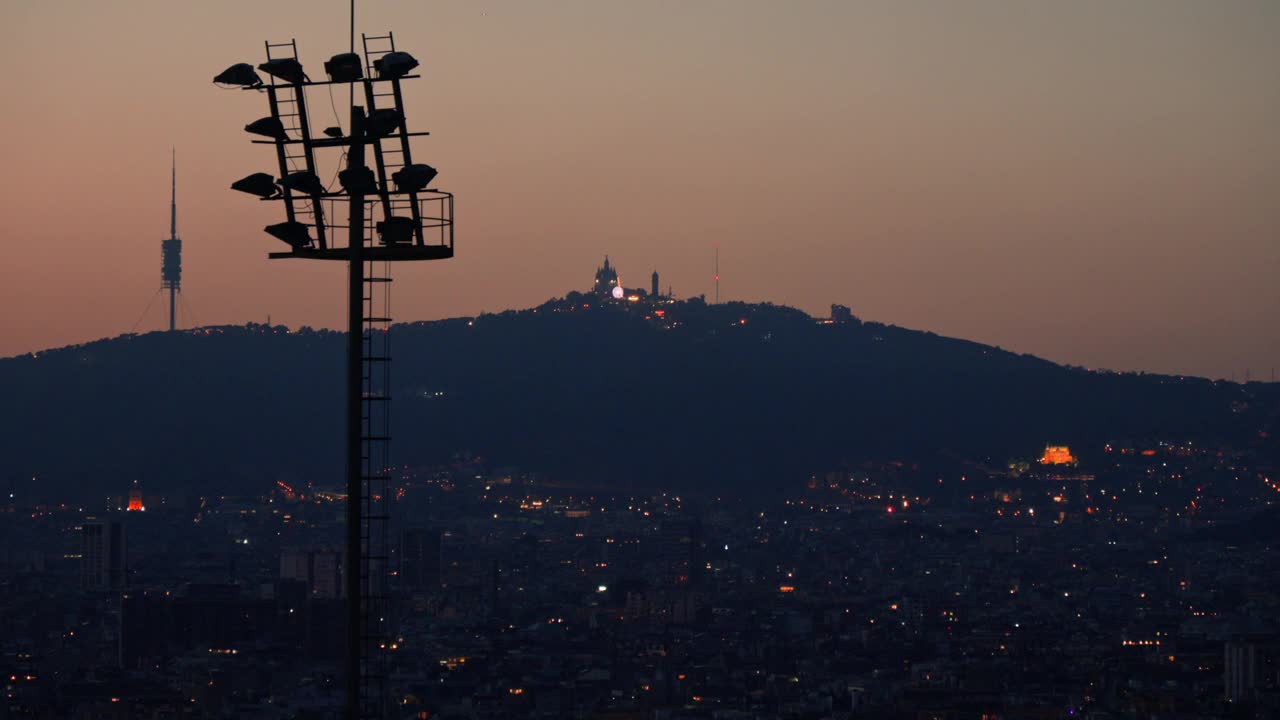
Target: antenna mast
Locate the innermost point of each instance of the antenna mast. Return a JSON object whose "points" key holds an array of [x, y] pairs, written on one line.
{"points": [[717, 274], [171, 249]]}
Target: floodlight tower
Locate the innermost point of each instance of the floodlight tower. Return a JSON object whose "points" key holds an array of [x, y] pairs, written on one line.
{"points": [[171, 250], [389, 215]]}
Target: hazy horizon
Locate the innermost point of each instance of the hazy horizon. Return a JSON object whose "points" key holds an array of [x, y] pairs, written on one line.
{"points": [[1093, 183]]}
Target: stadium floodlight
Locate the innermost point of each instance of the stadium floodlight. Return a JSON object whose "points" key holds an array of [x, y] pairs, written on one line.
{"points": [[260, 184], [390, 215], [396, 230], [394, 64], [268, 127], [358, 181], [292, 232], [239, 74], [304, 182], [287, 69], [413, 178], [383, 122], [344, 67]]}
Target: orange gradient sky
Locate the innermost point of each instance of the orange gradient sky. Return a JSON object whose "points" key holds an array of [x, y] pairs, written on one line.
{"points": [[1094, 182]]}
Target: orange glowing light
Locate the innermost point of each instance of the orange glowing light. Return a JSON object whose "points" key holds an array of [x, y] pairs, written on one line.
{"points": [[786, 588], [135, 501], [1057, 455]]}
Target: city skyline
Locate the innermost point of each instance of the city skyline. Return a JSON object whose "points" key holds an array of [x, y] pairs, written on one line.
{"points": [[898, 390], [963, 171]]}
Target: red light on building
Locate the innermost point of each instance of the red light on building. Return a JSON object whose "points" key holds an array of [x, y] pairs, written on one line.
{"points": [[135, 501]]}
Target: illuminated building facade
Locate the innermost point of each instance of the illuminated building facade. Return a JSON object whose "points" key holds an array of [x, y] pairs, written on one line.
{"points": [[1057, 455]]}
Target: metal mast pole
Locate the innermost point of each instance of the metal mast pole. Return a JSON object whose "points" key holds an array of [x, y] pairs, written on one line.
{"points": [[173, 233], [368, 474], [355, 382]]}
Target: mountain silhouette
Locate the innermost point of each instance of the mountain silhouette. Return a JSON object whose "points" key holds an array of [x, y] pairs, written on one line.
{"points": [[728, 397]]}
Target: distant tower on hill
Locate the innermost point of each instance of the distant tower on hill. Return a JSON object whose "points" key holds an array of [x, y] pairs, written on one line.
{"points": [[654, 292], [717, 274], [171, 250]]}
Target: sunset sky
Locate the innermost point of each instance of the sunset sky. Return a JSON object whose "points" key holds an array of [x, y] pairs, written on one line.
{"points": [[1094, 182]]}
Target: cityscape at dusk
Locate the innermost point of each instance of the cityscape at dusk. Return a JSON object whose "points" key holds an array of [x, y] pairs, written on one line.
{"points": [[641, 361], [1090, 182]]}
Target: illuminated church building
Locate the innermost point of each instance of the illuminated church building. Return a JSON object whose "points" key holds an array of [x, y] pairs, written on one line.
{"points": [[609, 285], [607, 280]]}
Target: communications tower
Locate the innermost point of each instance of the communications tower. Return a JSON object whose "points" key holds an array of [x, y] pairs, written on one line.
{"points": [[171, 249]]}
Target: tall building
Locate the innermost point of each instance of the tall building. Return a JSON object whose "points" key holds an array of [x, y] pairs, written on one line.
{"points": [[320, 569], [681, 551], [653, 292], [1240, 670], [420, 559], [102, 555]]}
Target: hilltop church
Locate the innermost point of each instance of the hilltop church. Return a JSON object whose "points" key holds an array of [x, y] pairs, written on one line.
{"points": [[609, 285]]}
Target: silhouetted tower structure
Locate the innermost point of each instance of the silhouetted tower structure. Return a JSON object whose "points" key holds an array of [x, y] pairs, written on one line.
{"points": [[171, 250], [717, 274], [654, 289], [389, 215]]}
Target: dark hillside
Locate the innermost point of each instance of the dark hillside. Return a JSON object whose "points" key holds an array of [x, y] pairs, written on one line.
{"points": [[734, 395]]}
